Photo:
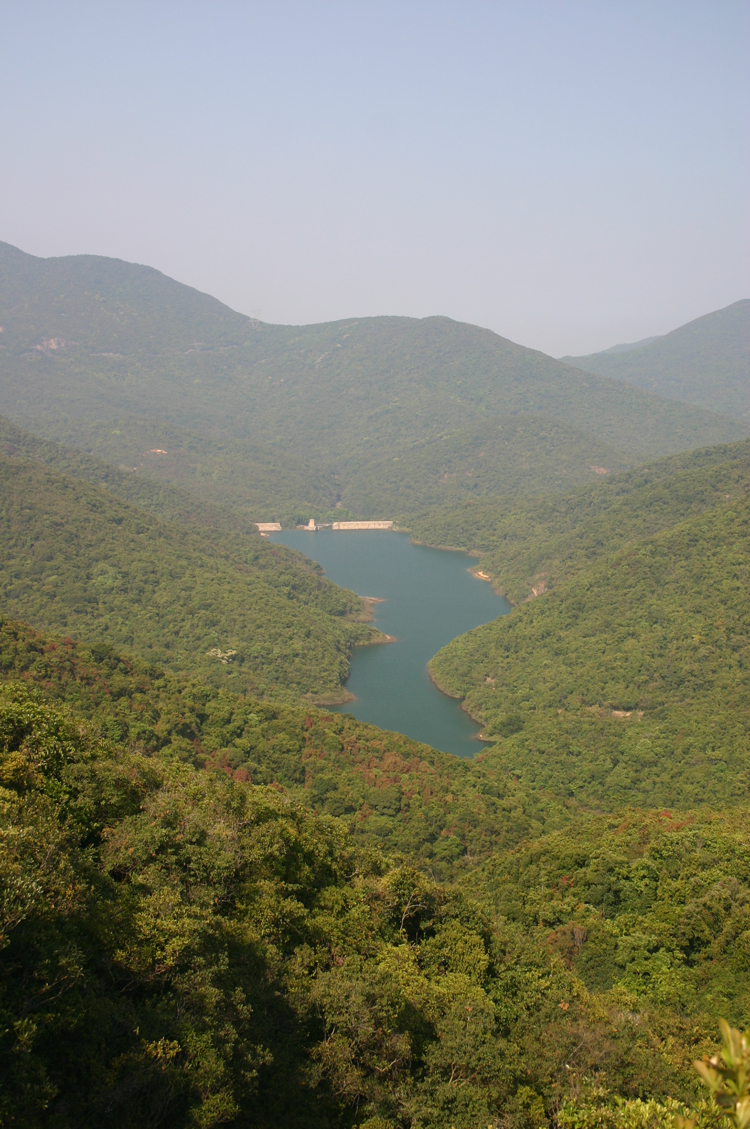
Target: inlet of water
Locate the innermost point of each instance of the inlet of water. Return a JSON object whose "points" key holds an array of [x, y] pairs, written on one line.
{"points": [[428, 598]]}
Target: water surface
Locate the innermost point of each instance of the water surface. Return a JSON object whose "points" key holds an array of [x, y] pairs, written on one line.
{"points": [[429, 597]]}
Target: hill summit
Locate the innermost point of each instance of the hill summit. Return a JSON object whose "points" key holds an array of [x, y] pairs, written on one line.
{"points": [[88, 340]]}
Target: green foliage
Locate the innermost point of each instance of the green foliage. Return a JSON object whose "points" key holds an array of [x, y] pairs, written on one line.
{"points": [[651, 905], [392, 792], [629, 682], [727, 1075], [526, 454], [221, 952], [594, 1107], [704, 362], [120, 880], [77, 560], [529, 545], [183, 949]]}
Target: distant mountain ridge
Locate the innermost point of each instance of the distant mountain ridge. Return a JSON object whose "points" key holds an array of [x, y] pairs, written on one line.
{"points": [[628, 346], [706, 362], [87, 340], [108, 304]]}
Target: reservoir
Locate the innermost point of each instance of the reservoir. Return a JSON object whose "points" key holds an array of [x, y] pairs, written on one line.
{"points": [[429, 597]]}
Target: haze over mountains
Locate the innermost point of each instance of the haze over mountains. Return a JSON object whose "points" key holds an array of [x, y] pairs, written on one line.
{"points": [[120, 361], [706, 362]]}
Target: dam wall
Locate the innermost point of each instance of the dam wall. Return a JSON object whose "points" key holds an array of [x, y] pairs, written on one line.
{"points": [[363, 525]]}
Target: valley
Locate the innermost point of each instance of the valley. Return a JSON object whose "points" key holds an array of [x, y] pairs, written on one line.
{"points": [[233, 895], [425, 598]]}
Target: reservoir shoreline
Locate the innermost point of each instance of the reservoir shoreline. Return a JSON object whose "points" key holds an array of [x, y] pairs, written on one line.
{"points": [[421, 598]]}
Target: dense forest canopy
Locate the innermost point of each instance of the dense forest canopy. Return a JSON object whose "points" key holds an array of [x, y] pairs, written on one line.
{"points": [[392, 792], [184, 946]]}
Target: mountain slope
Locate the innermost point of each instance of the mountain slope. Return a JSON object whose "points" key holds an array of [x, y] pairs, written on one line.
{"points": [[158, 498], [706, 362], [392, 792], [528, 545], [521, 454], [628, 683], [77, 560], [255, 482], [184, 949], [638, 900], [81, 341], [100, 303]]}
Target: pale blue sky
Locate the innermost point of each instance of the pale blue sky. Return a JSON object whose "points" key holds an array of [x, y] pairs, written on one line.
{"points": [[569, 173]]}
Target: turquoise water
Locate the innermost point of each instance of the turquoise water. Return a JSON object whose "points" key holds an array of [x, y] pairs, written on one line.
{"points": [[429, 597]]}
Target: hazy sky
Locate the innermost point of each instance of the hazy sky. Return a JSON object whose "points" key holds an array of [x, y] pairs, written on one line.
{"points": [[571, 174]]}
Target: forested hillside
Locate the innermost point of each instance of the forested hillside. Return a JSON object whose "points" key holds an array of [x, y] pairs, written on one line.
{"points": [[145, 460], [78, 560], [221, 904], [106, 304], [652, 901], [88, 340], [706, 362], [159, 498], [629, 682], [528, 545], [181, 947], [523, 454], [239, 925], [392, 792]]}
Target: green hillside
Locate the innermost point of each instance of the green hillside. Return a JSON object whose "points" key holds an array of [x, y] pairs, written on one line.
{"points": [[76, 559], [706, 362], [523, 454], [629, 682], [256, 483], [95, 303], [91, 340], [654, 903], [180, 948], [223, 905], [158, 498], [394, 793], [529, 545]]}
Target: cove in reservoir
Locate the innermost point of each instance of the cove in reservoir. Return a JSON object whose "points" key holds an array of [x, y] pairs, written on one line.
{"points": [[429, 597]]}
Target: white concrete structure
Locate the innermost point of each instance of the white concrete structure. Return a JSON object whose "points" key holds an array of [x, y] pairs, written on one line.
{"points": [[268, 526], [311, 525], [363, 525]]}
